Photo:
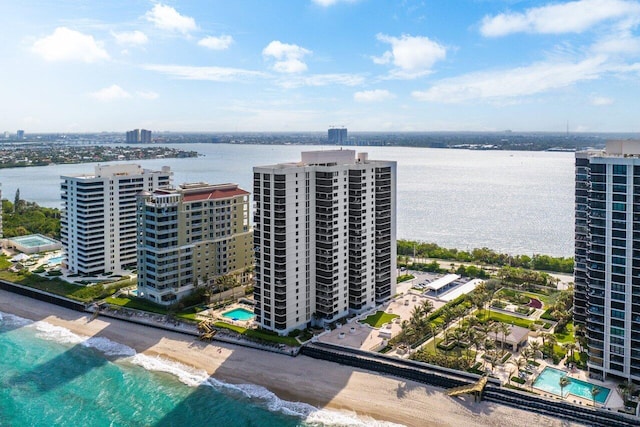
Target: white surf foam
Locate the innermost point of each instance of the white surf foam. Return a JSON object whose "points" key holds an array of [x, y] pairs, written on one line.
{"points": [[258, 394], [13, 321], [187, 375], [108, 347], [192, 377], [59, 334], [49, 332]]}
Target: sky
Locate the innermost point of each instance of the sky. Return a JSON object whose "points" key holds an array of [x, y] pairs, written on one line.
{"points": [[307, 65]]}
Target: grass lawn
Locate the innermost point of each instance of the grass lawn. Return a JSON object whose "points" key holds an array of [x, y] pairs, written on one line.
{"points": [[404, 278], [60, 287], [379, 318], [505, 318], [259, 335], [136, 304], [546, 299], [567, 335], [4, 262]]}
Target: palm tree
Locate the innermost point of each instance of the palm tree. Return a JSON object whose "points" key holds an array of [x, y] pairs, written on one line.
{"points": [[570, 347], [505, 330], [527, 353], [551, 341], [427, 307], [564, 381], [626, 389], [433, 328], [535, 348], [519, 363], [595, 390]]}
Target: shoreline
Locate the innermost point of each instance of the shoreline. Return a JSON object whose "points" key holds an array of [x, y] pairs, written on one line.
{"points": [[324, 385]]}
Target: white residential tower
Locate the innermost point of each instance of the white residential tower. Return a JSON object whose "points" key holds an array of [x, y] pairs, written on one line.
{"points": [[325, 238]]}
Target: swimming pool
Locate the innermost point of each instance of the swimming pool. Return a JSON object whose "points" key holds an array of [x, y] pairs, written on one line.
{"points": [[549, 381], [239, 314], [55, 260]]}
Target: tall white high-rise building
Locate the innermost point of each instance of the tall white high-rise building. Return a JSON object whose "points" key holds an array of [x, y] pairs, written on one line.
{"points": [[607, 258], [325, 238], [98, 221]]}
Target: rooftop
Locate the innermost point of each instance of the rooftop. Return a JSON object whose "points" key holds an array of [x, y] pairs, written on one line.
{"points": [[193, 192]]}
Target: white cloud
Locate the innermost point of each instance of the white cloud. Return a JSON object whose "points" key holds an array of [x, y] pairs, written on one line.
{"points": [[412, 55], [216, 43], [288, 57], [622, 42], [69, 45], [571, 17], [216, 74], [110, 93], [167, 18], [513, 83], [133, 38], [147, 94], [316, 80], [601, 100], [375, 95]]}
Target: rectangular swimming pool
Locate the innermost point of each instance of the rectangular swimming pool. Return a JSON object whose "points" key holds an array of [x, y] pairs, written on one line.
{"points": [[239, 314], [549, 381]]}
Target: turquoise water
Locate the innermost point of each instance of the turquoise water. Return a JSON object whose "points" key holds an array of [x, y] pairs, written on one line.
{"points": [[50, 376], [549, 380], [55, 260], [239, 314]]}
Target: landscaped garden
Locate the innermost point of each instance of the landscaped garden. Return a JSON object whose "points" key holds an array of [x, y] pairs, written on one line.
{"points": [[379, 318]]}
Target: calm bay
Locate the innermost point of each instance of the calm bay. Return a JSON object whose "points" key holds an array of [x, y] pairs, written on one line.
{"points": [[519, 202]]}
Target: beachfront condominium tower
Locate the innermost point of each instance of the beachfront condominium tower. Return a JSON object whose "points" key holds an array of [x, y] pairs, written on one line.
{"points": [[190, 235], [325, 238], [607, 257], [98, 221]]}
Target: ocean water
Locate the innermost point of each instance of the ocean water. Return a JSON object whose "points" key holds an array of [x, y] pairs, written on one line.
{"points": [[518, 202], [50, 376]]}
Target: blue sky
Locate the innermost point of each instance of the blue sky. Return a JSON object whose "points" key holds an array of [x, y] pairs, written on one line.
{"points": [[305, 65]]}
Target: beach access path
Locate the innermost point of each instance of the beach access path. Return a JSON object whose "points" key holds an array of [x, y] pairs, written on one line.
{"points": [[300, 379]]}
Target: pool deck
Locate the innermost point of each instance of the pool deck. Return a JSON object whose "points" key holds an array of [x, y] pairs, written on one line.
{"points": [[218, 315], [362, 336]]}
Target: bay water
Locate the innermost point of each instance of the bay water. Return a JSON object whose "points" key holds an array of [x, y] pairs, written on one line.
{"points": [[518, 202]]}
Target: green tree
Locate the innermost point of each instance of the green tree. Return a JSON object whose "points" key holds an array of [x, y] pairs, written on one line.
{"points": [[563, 382]]}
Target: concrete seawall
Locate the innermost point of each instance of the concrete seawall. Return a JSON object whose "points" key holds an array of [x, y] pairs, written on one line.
{"points": [[448, 378], [42, 295]]}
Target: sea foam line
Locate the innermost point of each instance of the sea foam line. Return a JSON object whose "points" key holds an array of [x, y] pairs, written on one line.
{"points": [[192, 377], [311, 415], [61, 335]]}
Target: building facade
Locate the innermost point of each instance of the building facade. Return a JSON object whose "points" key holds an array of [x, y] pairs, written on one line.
{"points": [[98, 219], [337, 136], [190, 235], [607, 258], [138, 136], [325, 238]]}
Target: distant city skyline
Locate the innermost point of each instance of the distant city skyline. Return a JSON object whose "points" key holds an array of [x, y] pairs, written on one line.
{"points": [[267, 66]]}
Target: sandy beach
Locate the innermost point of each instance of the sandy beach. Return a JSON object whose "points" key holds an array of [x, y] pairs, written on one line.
{"points": [[301, 379]]}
